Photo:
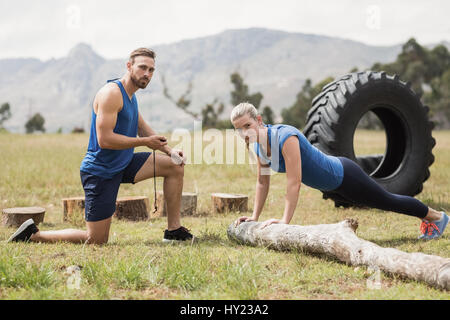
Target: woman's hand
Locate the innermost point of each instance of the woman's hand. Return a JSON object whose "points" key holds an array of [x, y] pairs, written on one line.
{"points": [[243, 219], [271, 221]]}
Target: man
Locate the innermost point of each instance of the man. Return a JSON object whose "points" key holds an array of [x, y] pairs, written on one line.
{"points": [[117, 127]]}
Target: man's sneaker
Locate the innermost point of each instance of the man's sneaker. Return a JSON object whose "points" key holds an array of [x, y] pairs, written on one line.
{"points": [[25, 231], [431, 230], [180, 234]]}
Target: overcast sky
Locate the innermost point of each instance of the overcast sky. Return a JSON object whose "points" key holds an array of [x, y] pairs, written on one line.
{"points": [[50, 28]]}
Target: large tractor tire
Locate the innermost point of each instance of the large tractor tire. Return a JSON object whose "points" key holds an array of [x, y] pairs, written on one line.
{"points": [[336, 111]]}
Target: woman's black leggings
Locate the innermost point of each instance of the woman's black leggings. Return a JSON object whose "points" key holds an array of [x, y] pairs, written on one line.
{"points": [[361, 189]]}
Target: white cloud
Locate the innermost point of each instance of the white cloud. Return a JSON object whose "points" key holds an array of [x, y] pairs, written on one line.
{"points": [[50, 28]]}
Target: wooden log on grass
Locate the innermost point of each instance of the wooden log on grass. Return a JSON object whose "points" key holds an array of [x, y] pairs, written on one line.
{"points": [[129, 208], [225, 202], [14, 217], [132, 208], [188, 204], [73, 208], [340, 241]]}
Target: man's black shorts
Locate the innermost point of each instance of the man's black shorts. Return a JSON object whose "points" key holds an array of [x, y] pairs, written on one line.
{"points": [[101, 193]]}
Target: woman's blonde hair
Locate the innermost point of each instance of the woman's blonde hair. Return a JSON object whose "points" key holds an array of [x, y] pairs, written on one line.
{"points": [[243, 108]]}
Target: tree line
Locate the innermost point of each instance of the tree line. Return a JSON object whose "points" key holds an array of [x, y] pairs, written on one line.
{"points": [[428, 71], [211, 113], [35, 123]]}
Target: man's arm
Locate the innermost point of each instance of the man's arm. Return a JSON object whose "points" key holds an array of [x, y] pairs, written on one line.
{"points": [[144, 130], [109, 102]]}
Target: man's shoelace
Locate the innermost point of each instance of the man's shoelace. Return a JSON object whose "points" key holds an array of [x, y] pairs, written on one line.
{"points": [[185, 229], [181, 229]]}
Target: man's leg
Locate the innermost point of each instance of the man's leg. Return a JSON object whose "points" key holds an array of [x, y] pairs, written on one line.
{"points": [[173, 184], [69, 235], [97, 233], [100, 198]]}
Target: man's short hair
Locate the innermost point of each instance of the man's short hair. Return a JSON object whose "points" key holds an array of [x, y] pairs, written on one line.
{"points": [[142, 52]]}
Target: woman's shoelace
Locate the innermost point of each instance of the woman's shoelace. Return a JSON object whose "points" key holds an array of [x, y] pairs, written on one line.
{"points": [[427, 227]]}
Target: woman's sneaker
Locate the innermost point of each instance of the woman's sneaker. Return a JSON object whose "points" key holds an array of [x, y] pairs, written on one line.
{"points": [[431, 230], [25, 231], [180, 234]]}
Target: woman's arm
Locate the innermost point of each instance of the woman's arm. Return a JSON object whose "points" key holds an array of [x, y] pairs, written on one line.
{"points": [[262, 189], [292, 160]]}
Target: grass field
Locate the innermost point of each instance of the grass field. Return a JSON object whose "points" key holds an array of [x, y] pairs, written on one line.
{"points": [[39, 170]]}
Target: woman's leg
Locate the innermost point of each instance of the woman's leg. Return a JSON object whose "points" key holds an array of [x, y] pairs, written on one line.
{"points": [[360, 188], [433, 215]]}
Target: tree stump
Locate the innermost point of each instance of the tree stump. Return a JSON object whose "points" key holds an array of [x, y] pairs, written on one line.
{"points": [[224, 202], [188, 204], [132, 208], [14, 217], [340, 241], [73, 209]]}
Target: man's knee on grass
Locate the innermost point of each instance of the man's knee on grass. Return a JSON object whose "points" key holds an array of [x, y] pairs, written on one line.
{"points": [[98, 239], [98, 232]]}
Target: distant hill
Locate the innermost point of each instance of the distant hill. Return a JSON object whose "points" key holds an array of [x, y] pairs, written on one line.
{"points": [[273, 62]]}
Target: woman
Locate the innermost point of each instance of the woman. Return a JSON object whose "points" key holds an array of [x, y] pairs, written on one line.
{"points": [[283, 148]]}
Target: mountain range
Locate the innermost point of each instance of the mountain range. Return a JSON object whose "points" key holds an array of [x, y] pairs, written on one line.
{"points": [[275, 63]]}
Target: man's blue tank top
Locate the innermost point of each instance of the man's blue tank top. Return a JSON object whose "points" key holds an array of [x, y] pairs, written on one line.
{"points": [[319, 170], [106, 162]]}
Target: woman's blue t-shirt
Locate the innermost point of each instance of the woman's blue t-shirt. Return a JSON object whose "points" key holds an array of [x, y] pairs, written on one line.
{"points": [[319, 170]]}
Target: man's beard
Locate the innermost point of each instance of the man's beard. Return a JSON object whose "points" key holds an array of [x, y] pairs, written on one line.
{"points": [[140, 83]]}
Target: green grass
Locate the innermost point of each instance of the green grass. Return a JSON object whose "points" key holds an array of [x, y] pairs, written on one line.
{"points": [[40, 170]]}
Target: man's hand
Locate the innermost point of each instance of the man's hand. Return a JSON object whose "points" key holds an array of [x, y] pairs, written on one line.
{"points": [[155, 142], [177, 157]]}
